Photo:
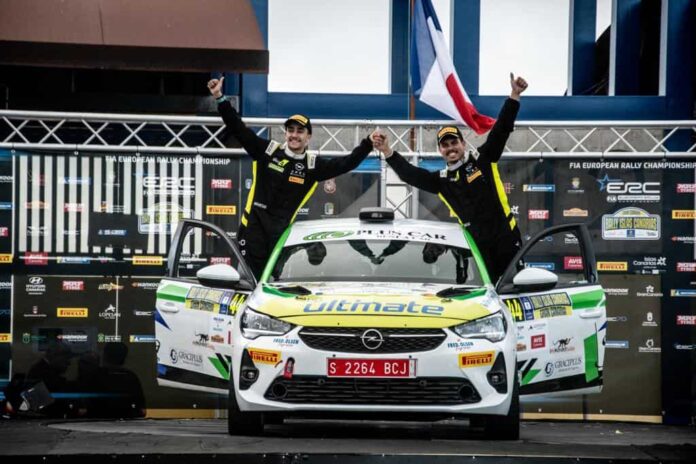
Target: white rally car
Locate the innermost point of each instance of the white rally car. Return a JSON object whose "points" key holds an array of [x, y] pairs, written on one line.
{"points": [[376, 317]]}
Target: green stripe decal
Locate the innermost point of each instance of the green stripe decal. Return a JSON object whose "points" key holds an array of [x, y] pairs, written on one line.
{"points": [[473, 294], [587, 300], [220, 368], [274, 291], [270, 264], [529, 376], [477, 256], [591, 358], [173, 293]]}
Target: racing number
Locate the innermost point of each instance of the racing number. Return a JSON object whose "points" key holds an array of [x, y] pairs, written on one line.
{"points": [[515, 308]]}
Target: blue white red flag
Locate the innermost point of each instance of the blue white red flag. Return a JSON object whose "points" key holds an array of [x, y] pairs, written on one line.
{"points": [[434, 80]]}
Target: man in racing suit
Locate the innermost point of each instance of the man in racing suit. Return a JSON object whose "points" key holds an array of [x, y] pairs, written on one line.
{"points": [[284, 178], [470, 185]]}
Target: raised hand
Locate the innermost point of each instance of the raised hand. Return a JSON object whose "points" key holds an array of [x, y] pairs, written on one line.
{"points": [[215, 87], [518, 85]]}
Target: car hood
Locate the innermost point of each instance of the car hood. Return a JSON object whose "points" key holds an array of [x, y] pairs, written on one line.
{"points": [[372, 305]]}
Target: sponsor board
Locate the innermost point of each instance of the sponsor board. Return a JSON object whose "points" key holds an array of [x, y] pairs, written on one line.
{"points": [[73, 260], [72, 312], [104, 338], [617, 344], [264, 356], [5, 338], [221, 260], [159, 218], [377, 234], [684, 239], [460, 345], [330, 186], [570, 239], [573, 263], [649, 320], [286, 342], [145, 285], [631, 223], [575, 212], [144, 260], [562, 345], [649, 292], [632, 192], [616, 291], [110, 286], [686, 319], [4, 231], [527, 308], [112, 232], [162, 185], [650, 265], [139, 313], [483, 358], [541, 265], [35, 312], [684, 347], [612, 266], [35, 286], [684, 214], [221, 210], [110, 313], [575, 186]]}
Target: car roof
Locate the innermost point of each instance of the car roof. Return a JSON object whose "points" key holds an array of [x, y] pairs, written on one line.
{"points": [[448, 233]]}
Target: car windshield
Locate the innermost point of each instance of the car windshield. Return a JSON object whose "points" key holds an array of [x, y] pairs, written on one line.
{"points": [[376, 260]]}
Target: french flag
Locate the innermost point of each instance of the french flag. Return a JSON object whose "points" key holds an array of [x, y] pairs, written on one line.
{"points": [[433, 77]]}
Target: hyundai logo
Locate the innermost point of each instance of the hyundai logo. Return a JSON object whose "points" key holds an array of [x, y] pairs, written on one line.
{"points": [[372, 339], [35, 280]]}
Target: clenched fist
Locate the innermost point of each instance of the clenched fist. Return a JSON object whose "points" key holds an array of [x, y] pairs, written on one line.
{"points": [[215, 87], [518, 86]]}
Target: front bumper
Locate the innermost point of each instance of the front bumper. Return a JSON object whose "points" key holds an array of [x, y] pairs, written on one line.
{"points": [[440, 385]]}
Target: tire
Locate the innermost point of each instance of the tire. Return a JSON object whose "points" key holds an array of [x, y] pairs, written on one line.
{"points": [[505, 427], [242, 423]]}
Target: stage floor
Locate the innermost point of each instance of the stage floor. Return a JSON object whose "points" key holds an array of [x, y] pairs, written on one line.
{"points": [[344, 441]]}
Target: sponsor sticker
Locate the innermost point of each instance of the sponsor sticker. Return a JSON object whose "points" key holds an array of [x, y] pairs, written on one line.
{"points": [[221, 210], [5, 338], [264, 356], [221, 260], [147, 260], [538, 341], [686, 188], [631, 223], [4, 231], [538, 187], [142, 339], [617, 344], [73, 285], [72, 312], [572, 263], [684, 214], [686, 267], [683, 292], [224, 184], [537, 214], [686, 319], [5, 258], [330, 186], [575, 212], [483, 358], [35, 259], [612, 266], [562, 345], [296, 180]]}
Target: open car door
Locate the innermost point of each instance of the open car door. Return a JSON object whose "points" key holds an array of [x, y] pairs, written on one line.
{"points": [[553, 292], [196, 303]]}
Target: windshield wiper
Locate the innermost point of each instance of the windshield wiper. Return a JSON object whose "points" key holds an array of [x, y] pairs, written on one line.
{"points": [[295, 289], [454, 291]]}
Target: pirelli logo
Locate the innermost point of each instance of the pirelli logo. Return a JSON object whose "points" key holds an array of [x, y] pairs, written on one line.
{"points": [[615, 266], [73, 312], [484, 358], [684, 214], [5, 259], [447, 130], [5, 338], [296, 180], [221, 210], [264, 356], [147, 260]]}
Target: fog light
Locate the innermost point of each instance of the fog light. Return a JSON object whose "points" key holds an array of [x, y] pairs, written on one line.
{"points": [[497, 376], [248, 373]]}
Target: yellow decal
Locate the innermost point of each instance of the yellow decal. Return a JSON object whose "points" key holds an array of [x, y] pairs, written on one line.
{"points": [[447, 130], [283, 162], [470, 178], [264, 356], [612, 265], [515, 308], [72, 312], [484, 358], [5, 338], [296, 180], [5, 259], [237, 301], [221, 210], [147, 260], [684, 214]]}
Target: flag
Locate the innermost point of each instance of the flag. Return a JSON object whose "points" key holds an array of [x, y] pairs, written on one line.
{"points": [[434, 80]]}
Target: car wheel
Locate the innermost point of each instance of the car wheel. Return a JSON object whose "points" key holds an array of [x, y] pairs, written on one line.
{"points": [[505, 427], [242, 423]]}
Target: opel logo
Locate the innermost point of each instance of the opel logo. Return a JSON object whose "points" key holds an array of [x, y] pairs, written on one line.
{"points": [[372, 339]]}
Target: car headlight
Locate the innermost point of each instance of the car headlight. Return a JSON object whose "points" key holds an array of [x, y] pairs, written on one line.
{"points": [[255, 325], [491, 328]]}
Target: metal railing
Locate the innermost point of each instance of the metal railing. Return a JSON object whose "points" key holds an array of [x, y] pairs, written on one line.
{"points": [[96, 133]]}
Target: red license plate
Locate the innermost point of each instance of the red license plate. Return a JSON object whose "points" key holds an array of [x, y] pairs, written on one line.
{"points": [[390, 368]]}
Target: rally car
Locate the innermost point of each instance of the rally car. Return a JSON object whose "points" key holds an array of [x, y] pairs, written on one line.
{"points": [[379, 317]]}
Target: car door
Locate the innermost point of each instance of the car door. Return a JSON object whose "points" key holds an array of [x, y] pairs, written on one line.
{"points": [[561, 329], [195, 307]]}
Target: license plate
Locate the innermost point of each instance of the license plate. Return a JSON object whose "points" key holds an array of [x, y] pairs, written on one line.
{"points": [[389, 368]]}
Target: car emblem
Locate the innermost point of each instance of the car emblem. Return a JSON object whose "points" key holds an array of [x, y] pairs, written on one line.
{"points": [[372, 339]]}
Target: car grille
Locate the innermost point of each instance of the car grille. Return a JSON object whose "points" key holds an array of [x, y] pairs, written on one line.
{"points": [[419, 391], [349, 340]]}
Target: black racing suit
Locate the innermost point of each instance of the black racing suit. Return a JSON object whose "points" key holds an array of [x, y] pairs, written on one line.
{"points": [[281, 186], [475, 194]]}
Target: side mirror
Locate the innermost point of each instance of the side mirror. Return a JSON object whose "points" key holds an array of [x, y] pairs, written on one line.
{"points": [[218, 275], [533, 279]]}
